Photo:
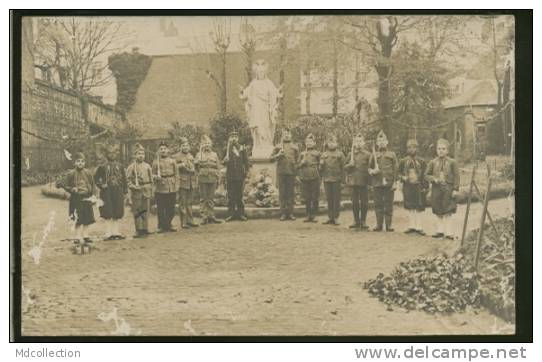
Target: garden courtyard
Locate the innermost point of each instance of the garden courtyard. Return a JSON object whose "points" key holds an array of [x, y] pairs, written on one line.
{"points": [[262, 277]]}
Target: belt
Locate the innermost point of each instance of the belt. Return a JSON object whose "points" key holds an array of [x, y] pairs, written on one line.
{"points": [[163, 176], [145, 183]]}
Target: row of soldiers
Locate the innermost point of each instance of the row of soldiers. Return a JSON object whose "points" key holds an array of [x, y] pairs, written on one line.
{"points": [[175, 178], [168, 180], [362, 169]]}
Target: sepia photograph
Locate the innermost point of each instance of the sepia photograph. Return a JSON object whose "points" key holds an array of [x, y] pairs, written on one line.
{"points": [[266, 175]]}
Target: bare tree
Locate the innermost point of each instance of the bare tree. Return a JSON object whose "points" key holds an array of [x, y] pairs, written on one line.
{"points": [[378, 35], [247, 39], [72, 52], [221, 38]]}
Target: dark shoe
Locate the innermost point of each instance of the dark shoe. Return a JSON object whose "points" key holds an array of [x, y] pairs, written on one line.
{"points": [[204, 221], [450, 237], [328, 222], [364, 227], [438, 235], [378, 228], [172, 230], [118, 237], [87, 240], [410, 231], [243, 218], [336, 223], [229, 218], [313, 219], [282, 218], [354, 226], [420, 232], [390, 229]]}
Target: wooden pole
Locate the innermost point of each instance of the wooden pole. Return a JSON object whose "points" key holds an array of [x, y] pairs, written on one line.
{"points": [[469, 197], [482, 223], [488, 214]]}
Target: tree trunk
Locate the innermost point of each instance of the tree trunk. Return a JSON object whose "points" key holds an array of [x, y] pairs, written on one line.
{"points": [[282, 60], [223, 94], [335, 100]]}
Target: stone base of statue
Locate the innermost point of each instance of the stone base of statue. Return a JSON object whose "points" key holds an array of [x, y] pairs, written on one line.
{"points": [[263, 165]]}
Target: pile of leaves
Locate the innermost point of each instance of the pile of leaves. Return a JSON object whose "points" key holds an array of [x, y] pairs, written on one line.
{"points": [[263, 192], [440, 284], [497, 266]]}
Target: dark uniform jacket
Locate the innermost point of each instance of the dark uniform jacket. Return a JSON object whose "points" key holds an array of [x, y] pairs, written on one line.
{"points": [[309, 162], [167, 183], [207, 164], [187, 170], [82, 180], [388, 166], [237, 165], [358, 173], [413, 168], [332, 166], [443, 169], [287, 162], [111, 174]]}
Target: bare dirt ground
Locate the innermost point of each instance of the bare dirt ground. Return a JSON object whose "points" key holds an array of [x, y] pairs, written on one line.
{"points": [[263, 277]]}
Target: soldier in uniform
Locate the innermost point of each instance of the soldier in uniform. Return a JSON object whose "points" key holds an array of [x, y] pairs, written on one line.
{"points": [[165, 175], [79, 183], [187, 180], [207, 164], [443, 173], [332, 170], [237, 167], [383, 169], [308, 169], [286, 155], [412, 175], [139, 176], [111, 180], [358, 179]]}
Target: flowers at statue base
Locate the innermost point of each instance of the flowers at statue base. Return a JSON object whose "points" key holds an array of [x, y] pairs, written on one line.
{"points": [[262, 192]]}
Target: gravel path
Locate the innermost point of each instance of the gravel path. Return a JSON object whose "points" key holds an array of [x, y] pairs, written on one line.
{"points": [[262, 277]]}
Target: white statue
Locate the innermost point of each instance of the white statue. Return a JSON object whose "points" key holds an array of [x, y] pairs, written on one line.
{"points": [[261, 102]]}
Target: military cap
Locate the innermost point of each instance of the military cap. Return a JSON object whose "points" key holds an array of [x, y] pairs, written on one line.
{"points": [[163, 143], [183, 140], [381, 136], [138, 147], [444, 142], [206, 139], [78, 156]]}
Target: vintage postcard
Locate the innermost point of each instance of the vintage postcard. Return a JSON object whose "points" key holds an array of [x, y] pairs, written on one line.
{"points": [[271, 175]]}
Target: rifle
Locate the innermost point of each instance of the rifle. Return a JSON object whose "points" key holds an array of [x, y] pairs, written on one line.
{"points": [[352, 153], [228, 149], [158, 172]]}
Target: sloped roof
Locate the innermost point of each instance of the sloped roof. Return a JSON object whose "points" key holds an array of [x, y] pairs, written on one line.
{"points": [[177, 89], [481, 93]]}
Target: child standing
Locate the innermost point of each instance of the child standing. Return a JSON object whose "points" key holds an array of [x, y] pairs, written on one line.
{"points": [[358, 180], [412, 174], [207, 164], [443, 173], [79, 183], [111, 179], [383, 171], [165, 174], [332, 166], [237, 166], [310, 177], [286, 154], [187, 180], [139, 175]]}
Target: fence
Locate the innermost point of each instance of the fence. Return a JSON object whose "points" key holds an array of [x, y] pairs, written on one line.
{"points": [[52, 116]]}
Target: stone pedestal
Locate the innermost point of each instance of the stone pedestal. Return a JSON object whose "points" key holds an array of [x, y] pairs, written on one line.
{"points": [[259, 164]]}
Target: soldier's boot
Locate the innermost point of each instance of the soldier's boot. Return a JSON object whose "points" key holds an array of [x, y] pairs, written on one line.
{"points": [[379, 222], [388, 223]]}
